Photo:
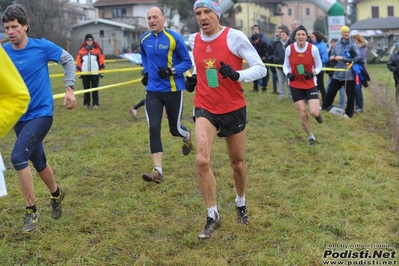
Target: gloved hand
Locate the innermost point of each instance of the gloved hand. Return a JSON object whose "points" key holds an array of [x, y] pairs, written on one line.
{"points": [[144, 80], [101, 76], [270, 60], [164, 72], [308, 75], [191, 83], [291, 76], [228, 72]]}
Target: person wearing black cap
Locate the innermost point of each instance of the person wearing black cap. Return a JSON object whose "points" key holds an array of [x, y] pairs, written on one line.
{"points": [[90, 58], [302, 63]]}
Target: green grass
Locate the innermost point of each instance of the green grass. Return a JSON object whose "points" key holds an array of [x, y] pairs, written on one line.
{"points": [[300, 199]]}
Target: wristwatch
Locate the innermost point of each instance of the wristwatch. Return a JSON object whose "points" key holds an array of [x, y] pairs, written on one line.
{"points": [[173, 70]]}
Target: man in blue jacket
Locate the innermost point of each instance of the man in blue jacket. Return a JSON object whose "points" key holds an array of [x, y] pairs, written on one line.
{"points": [[165, 59], [345, 51]]}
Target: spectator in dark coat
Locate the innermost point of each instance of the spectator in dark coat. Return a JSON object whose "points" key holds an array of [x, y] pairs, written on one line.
{"points": [[262, 48], [393, 66], [276, 40], [256, 30]]}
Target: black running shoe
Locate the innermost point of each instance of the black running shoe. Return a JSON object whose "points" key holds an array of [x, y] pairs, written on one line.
{"points": [[242, 215], [56, 209], [210, 226], [319, 119]]}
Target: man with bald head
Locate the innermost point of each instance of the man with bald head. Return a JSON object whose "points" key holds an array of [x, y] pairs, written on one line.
{"points": [[165, 59], [294, 24]]}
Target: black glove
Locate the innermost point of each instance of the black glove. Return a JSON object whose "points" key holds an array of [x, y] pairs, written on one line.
{"points": [[308, 75], [291, 76], [228, 72], [164, 72], [191, 83], [144, 80], [101, 76]]}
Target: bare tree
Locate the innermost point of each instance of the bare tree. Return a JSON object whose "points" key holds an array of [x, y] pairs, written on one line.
{"points": [[47, 19]]}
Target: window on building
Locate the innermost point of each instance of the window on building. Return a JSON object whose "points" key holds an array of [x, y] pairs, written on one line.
{"points": [[119, 12], [375, 12], [307, 10], [289, 12], [390, 11]]}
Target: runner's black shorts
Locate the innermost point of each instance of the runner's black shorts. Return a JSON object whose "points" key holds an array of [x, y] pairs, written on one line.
{"points": [[226, 124]]}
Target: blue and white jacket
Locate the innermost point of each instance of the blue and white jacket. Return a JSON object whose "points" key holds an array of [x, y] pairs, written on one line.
{"points": [[164, 49]]}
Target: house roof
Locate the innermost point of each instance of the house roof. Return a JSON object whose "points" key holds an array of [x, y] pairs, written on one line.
{"points": [[391, 23], [104, 21], [101, 3]]}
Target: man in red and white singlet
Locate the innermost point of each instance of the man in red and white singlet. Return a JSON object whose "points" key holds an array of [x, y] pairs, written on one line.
{"points": [[301, 65], [220, 107]]}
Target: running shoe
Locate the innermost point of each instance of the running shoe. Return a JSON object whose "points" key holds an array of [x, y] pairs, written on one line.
{"points": [[311, 142], [187, 146], [56, 209], [242, 215], [133, 113], [319, 119], [30, 221], [210, 226], [154, 176]]}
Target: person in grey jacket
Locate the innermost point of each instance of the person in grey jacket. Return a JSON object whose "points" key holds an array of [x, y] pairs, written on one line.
{"points": [[278, 58], [345, 51], [393, 66]]}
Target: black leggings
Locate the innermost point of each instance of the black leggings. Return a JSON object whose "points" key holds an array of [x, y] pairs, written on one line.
{"points": [[154, 103], [139, 104], [320, 85]]}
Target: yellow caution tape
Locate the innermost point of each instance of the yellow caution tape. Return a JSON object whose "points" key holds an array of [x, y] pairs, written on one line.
{"points": [[61, 95]]}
